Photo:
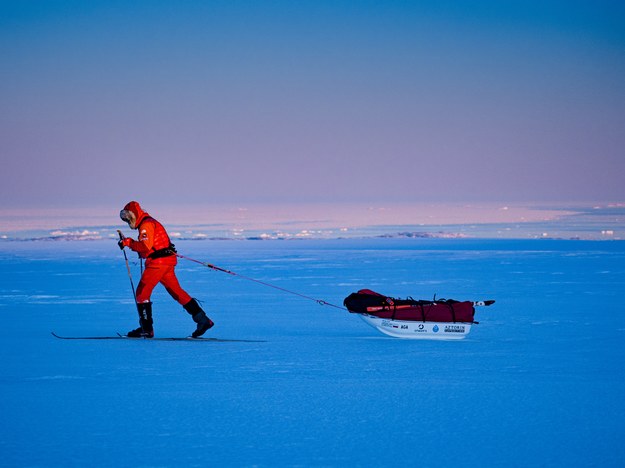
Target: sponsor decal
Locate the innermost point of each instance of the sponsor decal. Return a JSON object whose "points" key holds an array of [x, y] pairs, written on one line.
{"points": [[422, 328]]}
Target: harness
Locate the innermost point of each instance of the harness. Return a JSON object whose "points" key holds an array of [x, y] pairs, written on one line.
{"points": [[166, 252], [162, 252]]}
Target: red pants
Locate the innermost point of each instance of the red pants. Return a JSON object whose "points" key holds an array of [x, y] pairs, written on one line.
{"points": [[165, 275]]}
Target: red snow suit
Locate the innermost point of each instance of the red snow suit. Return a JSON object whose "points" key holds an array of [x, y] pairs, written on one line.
{"points": [[160, 263]]}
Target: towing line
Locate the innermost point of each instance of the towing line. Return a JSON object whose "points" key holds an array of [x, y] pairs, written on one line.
{"points": [[264, 283]]}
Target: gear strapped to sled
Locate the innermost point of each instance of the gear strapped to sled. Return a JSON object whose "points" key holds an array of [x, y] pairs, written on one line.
{"points": [[369, 302]]}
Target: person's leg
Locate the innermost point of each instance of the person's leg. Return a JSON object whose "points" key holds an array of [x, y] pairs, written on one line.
{"points": [[199, 317], [152, 275], [170, 281], [150, 278], [172, 285], [146, 324]]}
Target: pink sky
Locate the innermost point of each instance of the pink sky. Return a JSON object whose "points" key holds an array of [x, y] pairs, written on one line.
{"points": [[309, 216], [237, 102]]}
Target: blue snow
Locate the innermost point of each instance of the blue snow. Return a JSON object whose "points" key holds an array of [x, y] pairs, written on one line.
{"points": [[539, 382]]}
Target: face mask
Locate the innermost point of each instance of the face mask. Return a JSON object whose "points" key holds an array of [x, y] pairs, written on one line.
{"points": [[128, 217]]}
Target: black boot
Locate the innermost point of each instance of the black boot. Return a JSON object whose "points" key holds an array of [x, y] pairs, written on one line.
{"points": [[199, 317], [146, 330]]}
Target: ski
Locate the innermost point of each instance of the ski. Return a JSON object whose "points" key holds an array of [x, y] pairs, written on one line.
{"points": [[189, 338], [124, 337], [85, 337]]}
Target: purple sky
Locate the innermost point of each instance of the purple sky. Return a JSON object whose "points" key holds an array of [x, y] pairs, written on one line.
{"points": [[208, 102]]}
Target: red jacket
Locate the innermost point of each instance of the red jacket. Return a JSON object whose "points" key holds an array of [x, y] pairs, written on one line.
{"points": [[152, 237]]}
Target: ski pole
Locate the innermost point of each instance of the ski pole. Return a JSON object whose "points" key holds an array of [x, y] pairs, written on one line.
{"points": [[132, 284], [223, 270]]}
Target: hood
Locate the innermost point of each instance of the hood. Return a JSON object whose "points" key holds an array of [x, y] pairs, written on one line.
{"points": [[134, 208]]}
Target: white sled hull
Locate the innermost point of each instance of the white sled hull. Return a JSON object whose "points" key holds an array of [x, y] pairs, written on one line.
{"points": [[419, 330]]}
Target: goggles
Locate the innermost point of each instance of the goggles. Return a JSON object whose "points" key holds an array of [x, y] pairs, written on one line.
{"points": [[128, 217]]}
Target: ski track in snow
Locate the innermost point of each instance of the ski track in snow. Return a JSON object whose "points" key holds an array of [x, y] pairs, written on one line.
{"points": [[537, 383]]}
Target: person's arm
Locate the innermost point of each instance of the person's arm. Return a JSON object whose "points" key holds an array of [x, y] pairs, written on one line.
{"points": [[144, 245]]}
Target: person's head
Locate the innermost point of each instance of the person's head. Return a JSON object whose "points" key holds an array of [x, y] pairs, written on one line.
{"points": [[131, 214]]}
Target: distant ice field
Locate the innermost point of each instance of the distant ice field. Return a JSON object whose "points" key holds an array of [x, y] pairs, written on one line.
{"points": [[538, 382], [587, 221]]}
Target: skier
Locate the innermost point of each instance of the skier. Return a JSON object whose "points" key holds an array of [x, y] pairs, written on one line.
{"points": [[159, 253]]}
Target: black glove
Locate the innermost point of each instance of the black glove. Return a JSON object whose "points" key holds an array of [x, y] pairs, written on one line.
{"points": [[125, 242]]}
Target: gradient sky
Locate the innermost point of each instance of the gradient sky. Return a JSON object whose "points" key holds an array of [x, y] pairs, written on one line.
{"points": [[207, 102]]}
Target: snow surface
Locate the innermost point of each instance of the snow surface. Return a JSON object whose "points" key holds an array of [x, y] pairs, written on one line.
{"points": [[539, 382]]}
